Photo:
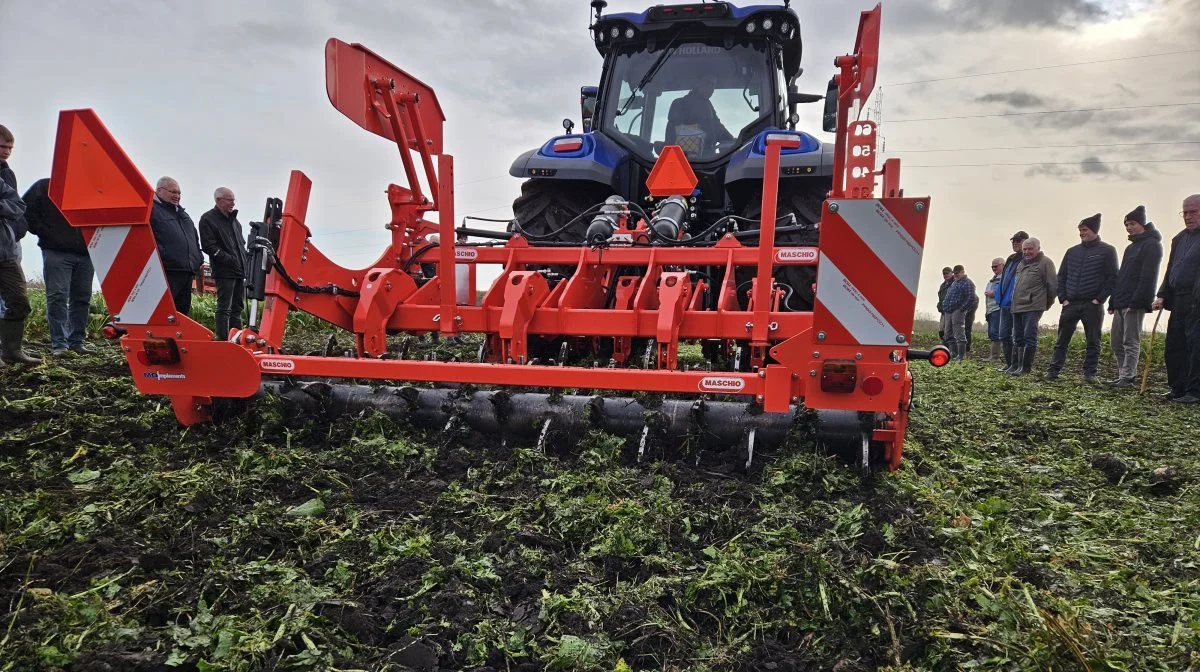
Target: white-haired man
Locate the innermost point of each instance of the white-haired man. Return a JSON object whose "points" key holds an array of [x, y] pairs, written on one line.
{"points": [[1033, 294], [1180, 294], [992, 309], [222, 239], [177, 242]]}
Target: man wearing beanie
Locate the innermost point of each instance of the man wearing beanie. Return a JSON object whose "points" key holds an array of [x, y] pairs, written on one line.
{"points": [[1085, 281], [1134, 293]]}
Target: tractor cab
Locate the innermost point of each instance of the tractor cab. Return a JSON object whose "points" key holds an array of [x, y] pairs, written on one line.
{"points": [[706, 77]]}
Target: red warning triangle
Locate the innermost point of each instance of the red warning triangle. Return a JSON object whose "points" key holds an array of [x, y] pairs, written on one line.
{"points": [[672, 174], [92, 181]]}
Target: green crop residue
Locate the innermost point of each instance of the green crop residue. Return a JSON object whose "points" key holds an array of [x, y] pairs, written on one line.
{"points": [[1032, 526]]}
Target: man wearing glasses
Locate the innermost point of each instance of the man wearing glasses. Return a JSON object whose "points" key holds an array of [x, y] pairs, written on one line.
{"points": [[1180, 294], [222, 239], [178, 244]]}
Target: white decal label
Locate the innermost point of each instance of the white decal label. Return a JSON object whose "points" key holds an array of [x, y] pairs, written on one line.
{"points": [[466, 253], [721, 384]]}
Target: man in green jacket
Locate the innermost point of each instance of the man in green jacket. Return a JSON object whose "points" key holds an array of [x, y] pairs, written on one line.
{"points": [[1033, 293]]}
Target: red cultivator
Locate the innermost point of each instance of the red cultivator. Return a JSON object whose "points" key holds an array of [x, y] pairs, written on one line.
{"points": [[629, 299]]}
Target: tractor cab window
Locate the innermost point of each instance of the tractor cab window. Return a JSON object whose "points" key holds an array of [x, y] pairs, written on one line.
{"points": [[705, 97]]}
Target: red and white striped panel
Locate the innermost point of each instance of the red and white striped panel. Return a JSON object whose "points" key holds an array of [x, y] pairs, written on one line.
{"points": [[869, 267], [130, 273]]}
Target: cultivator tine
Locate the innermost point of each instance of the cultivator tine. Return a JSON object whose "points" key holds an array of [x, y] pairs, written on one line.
{"points": [[750, 448], [541, 443]]}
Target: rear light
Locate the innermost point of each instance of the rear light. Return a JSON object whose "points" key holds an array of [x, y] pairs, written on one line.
{"points": [[839, 376], [567, 145], [111, 331], [159, 351], [872, 386], [939, 357]]}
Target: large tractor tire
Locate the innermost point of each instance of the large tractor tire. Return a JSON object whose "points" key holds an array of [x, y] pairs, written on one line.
{"points": [[802, 198], [546, 206]]}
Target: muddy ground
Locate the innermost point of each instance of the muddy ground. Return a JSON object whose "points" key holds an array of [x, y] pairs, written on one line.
{"points": [[1032, 526]]}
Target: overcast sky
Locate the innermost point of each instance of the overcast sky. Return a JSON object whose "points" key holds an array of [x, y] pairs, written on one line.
{"points": [[232, 94]]}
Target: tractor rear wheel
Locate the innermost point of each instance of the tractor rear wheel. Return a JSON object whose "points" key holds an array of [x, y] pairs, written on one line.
{"points": [[803, 198], [549, 209]]}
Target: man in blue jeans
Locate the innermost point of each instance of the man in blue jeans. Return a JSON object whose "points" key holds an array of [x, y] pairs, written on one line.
{"points": [[66, 269], [1033, 294], [1004, 297]]}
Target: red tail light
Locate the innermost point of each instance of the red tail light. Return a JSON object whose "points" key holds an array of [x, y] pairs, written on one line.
{"points": [[111, 331], [839, 376], [939, 357], [159, 351]]}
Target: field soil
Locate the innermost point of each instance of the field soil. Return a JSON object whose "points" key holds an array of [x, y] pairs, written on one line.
{"points": [[1032, 526]]}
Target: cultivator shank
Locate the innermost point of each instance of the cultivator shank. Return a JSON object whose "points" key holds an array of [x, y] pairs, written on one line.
{"points": [[605, 314]]}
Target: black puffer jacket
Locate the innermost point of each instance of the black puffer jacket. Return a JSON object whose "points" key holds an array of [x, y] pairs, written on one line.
{"points": [[175, 236], [222, 240], [1138, 277], [1088, 272], [48, 224]]}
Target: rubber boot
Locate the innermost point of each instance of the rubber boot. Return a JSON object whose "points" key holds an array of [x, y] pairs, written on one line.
{"points": [[994, 353], [1008, 358], [12, 337], [1018, 358], [1027, 356]]}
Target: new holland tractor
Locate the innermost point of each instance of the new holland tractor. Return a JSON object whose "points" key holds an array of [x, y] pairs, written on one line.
{"points": [[690, 211], [714, 79]]}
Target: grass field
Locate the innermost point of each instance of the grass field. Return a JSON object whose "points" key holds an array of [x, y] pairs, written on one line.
{"points": [[1032, 526]]}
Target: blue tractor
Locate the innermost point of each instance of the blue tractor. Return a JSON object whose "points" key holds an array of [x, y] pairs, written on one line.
{"points": [[712, 78]]}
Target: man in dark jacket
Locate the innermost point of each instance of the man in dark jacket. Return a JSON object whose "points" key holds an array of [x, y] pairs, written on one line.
{"points": [[14, 301], [944, 317], [1134, 293], [177, 241], [1180, 294], [66, 269], [1085, 281], [222, 240], [1004, 299]]}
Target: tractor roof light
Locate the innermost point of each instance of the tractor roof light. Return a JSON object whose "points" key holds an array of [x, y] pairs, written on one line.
{"points": [[629, 33], [839, 376], [768, 24], [751, 27]]}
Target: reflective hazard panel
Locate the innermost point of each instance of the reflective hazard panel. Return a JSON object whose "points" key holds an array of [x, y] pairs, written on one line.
{"points": [[868, 270]]}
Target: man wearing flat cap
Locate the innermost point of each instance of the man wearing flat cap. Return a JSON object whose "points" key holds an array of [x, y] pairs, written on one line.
{"points": [[1086, 279], [1004, 299]]}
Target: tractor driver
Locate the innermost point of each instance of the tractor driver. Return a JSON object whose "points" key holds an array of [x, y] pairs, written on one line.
{"points": [[693, 114]]}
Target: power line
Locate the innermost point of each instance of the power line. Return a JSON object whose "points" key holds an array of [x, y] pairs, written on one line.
{"points": [[1021, 114], [1048, 147], [1045, 67], [1050, 163]]}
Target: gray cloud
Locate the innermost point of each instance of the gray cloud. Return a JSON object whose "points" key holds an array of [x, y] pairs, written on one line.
{"points": [[1016, 99], [981, 15], [1088, 167]]}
